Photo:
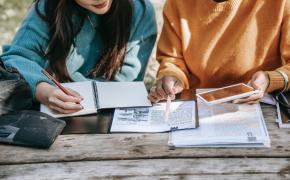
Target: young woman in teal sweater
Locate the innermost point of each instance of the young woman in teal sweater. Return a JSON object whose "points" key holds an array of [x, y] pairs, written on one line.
{"points": [[79, 40]]}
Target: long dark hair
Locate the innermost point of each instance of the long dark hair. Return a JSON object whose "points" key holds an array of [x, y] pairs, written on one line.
{"points": [[114, 31]]}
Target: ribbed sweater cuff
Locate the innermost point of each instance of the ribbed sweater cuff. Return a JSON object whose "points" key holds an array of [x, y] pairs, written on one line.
{"points": [[276, 81]]}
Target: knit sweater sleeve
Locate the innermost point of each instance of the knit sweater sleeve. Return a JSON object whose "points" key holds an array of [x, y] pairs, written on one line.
{"points": [[26, 52], [169, 52], [276, 79], [141, 43]]}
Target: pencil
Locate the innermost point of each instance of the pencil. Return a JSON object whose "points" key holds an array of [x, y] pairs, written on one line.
{"points": [[56, 83], [167, 108]]}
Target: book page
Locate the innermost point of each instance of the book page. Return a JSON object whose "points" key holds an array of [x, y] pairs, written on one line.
{"points": [[152, 119], [268, 99], [122, 94], [85, 89], [225, 123], [182, 115]]}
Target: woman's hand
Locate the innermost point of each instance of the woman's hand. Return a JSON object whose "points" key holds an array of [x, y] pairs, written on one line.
{"points": [[260, 81], [167, 86], [57, 100]]}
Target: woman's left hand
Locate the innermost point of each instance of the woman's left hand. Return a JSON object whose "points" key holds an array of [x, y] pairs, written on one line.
{"points": [[260, 81]]}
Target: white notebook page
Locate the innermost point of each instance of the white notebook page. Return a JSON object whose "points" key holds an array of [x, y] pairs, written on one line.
{"points": [[122, 94], [85, 89]]}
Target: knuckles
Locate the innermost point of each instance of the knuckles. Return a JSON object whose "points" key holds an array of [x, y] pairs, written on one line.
{"points": [[50, 99], [55, 92]]}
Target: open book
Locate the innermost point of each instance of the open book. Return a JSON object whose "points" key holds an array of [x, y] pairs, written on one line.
{"points": [[105, 95], [225, 125], [152, 119]]}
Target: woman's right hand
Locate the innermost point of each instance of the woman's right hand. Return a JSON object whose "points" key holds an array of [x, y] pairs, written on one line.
{"points": [[166, 86], [57, 100]]}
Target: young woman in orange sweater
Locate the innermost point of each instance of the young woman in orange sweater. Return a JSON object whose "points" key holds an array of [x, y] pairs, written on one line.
{"points": [[214, 43]]}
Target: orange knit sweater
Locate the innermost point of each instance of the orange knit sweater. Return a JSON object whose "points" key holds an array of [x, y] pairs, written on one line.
{"points": [[208, 44]]}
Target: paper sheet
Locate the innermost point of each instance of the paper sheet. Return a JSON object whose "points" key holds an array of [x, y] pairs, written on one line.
{"points": [[122, 94], [152, 119], [85, 89], [268, 99]]}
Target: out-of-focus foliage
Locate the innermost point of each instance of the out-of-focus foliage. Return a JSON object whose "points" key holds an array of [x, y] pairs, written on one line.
{"points": [[11, 14]]}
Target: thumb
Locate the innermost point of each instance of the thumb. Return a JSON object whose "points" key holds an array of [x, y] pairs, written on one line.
{"points": [[168, 85], [255, 85], [253, 82], [177, 88]]}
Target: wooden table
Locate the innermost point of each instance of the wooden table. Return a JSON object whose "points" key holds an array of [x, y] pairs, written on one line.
{"points": [[147, 156]]}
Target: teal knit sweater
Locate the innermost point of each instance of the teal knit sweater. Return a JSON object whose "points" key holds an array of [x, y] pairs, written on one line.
{"points": [[25, 51]]}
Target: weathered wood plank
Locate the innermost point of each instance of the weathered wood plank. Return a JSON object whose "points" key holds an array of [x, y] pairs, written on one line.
{"points": [[133, 146], [173, 177], [207, 177], [179, 168]]}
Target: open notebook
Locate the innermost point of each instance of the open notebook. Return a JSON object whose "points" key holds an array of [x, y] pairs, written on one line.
{"points": [[183, 115], [225, 125], [152, 119], [105, 95]]}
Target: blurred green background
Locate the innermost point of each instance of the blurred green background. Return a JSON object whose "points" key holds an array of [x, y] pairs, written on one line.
{"points": [[13, 11], [11, 14]]}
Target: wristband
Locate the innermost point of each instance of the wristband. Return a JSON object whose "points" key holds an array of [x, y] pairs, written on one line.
{"points": [[286, 79]]}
